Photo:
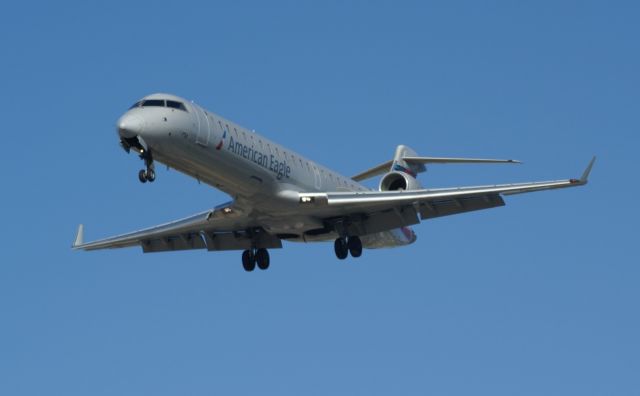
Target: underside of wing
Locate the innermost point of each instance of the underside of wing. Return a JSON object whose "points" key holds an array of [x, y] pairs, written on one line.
{"points": [[223, 228]]}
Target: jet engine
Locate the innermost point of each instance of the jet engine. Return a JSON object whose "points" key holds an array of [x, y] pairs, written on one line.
{"points": [[394, 181]]}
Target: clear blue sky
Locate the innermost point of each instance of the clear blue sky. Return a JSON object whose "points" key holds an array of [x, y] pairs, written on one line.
{"points": [[538, 297]]}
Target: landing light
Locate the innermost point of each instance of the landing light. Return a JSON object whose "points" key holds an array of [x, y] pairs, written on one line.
{"points": [[306, 199], [227, 210]]}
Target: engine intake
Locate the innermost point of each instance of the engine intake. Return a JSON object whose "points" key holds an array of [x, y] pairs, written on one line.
{"points": [[395, 181]]}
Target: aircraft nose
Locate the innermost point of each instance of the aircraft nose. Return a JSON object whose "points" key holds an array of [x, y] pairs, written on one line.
{"points": [[130, 126]]}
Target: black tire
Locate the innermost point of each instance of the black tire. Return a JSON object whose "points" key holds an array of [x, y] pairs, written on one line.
{"points": [[355, 246], [248, 261], [151, 175], [142, 176], [262, 259], [340, 248]]}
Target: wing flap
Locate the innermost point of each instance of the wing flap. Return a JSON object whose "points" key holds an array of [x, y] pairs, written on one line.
{"points": [[240, 241], [383, 220], [212, 241], [174, 242], [446, 207]]}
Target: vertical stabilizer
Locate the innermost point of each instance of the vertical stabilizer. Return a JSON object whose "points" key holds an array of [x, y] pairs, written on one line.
{"points": [[401, 165]]}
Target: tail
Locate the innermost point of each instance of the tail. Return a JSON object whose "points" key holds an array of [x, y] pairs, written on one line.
{"points": [[401, 174], [400, 163]]}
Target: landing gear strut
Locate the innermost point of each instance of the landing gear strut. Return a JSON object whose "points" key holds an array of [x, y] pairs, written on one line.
{"points": [[253, 257], [344, 246], [148, 174]]}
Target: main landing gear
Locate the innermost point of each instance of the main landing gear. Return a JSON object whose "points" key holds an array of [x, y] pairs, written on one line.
{"points": [[344, 246], [253, 257], [148, 174]]}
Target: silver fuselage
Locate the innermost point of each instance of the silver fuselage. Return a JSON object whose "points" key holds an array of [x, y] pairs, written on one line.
{"points": [[260, 175]]}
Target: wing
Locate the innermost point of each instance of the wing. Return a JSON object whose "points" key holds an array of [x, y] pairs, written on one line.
{"points": [[223, 228], [374, 211]]}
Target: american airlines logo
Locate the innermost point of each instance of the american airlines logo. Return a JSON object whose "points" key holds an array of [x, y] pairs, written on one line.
{"points": [[400, 168], [224, 135], [280, 168]]}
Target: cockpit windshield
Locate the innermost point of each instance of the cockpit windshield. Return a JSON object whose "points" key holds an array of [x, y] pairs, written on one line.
{"points": [[172, 104], [153, 103], [176, 105]]}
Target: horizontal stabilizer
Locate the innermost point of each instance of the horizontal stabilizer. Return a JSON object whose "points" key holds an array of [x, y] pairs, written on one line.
{"points": [[384, 167], [441, 160], [375, 171]]}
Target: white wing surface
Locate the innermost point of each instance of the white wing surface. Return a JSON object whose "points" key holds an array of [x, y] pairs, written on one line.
{"points": [[373, 211], [223, 228]]}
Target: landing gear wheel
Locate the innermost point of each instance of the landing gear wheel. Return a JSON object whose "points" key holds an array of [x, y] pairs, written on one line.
{"points": [[355, 246], [142, 176], [262, 259], [248, 260], [150, 175], [340, 247]]}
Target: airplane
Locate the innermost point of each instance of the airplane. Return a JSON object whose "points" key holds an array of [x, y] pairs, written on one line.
{"points": [[279, 195]]}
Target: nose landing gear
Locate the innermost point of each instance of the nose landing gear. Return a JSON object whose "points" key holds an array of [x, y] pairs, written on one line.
{"points": [[148, 174]]}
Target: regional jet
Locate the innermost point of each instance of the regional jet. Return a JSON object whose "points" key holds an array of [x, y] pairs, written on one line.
{"points": [[279, 195]]}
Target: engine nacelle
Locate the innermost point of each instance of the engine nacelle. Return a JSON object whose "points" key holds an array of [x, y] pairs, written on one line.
{"points": [[395, 181]]}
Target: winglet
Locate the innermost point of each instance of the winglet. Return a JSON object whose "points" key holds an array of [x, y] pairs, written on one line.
{"points": [[79, 236], [585, 175]]}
